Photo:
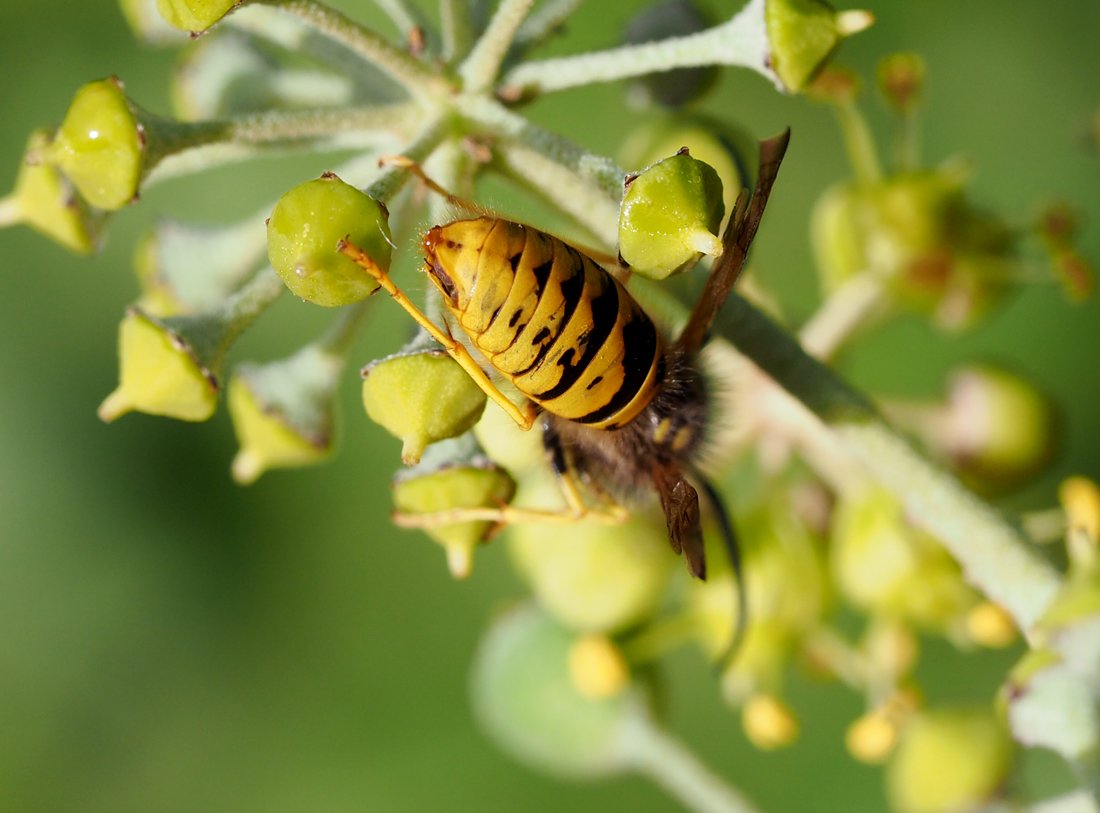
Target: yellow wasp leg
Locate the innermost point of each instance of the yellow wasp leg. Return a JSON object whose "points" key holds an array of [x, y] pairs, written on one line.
{"points": [[524, 418], [574, 510]]}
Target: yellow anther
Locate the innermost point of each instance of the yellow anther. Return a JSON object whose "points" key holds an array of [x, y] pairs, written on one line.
{"points": [[597, 667]]}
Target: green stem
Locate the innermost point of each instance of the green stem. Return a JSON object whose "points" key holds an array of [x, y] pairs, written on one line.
{"points": [[417, 78], [598, 173], [741, 41], [994, 555], [654, 752], [337, 340], [182, 148], [846, 310], [401, 14], [391, 178], [458, 36], [482, 65], [862, 153], [544, 22]]}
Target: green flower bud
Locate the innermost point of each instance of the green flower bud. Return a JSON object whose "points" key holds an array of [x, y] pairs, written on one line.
{"points": [[100, 145], [884, 566], [284, 412], [450, 478], [194, 15], [159, 373], [526, 700], [267, 439], [669, 216], [949, 760], [803, 35], [304, 230], [171, 366], [938, 253], [44, 200], [901, 80], [592, 576], [671, 18], [421, 396], [996, 428], [730, 151]]}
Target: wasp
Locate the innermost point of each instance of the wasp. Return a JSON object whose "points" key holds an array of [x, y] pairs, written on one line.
{"points": [[619, 402]]}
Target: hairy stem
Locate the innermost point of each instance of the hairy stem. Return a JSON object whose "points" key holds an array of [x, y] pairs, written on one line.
{"points": [[482, 66], [741, 41]]}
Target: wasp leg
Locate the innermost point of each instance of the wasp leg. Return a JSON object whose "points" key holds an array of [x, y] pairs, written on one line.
{"points": [[574, 510], [567, 481], [524, 417], [449, 196]]}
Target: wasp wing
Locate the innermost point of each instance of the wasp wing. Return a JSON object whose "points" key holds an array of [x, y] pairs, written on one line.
{"points": [[680, 502]]}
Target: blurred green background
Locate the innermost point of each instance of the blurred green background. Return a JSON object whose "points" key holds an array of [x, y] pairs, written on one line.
{"points": [[171, 642]]}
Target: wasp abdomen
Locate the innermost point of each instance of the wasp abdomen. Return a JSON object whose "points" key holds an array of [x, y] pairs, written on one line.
{"points": [[568, 335]]}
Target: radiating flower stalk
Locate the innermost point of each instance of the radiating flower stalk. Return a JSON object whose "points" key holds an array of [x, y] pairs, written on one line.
{"points": [[843, 510]]}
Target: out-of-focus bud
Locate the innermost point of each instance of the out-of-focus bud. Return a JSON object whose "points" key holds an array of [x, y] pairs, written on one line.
{"points": [[525, 697], [453, 476], [871, 738], [995, 428], [669, 216], [884, 566], [803, 34], [949, 759], [305, 230], [171, 366], [1080, 498], [671, 18], [937, 252], [991, 626], [589, 575], [901, 80], [769, 722], [598, 667], [44, 200], [195, 15], [421, 395]]}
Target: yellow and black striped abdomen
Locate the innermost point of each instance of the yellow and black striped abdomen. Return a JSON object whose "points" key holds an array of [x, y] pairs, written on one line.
{"points": [[568, 335]]}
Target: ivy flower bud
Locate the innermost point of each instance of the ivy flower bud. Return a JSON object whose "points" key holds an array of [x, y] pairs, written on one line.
{"points": [[525, 698], [284, 412], [996, 428], [671, 18], [597, 667], [1080, 498], [901, 80], [949, 759], [194, 15], [728, 149], [803, 35], [871, 738], [160, 373], [990, 625], [669, 216], [45, 200], [101, 146], [450, 478], [595, 577], [769, 723], [171, 366], [884, 566], [421, 396], [304, 230]]}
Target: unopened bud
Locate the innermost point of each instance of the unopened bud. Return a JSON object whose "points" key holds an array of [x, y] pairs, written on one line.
{"points": [[194, 15], [669, 216], [597, 667], [769, 723], [803, 35]]}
